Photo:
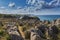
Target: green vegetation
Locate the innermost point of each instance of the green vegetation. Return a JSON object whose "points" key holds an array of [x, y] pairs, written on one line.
{"points": [[26, 23], [3, 34]]}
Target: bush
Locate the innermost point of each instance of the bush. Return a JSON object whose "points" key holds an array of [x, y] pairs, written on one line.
{"points": [[1, 32], [27, 35]]}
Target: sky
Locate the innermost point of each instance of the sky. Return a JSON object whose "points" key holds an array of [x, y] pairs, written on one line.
{"points": [[36, 7]]}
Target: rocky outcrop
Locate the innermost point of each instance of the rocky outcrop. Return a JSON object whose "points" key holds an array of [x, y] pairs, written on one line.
{"points": [[25, 17]]}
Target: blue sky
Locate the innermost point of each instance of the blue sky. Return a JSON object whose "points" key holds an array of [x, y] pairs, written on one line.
{"points": [[36, 7]]}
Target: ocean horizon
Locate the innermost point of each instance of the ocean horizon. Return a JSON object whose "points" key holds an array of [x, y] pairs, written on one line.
{"points": [[48, 17]]}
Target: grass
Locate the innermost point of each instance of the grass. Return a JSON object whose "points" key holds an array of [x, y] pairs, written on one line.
{"points": [[3, 34]]}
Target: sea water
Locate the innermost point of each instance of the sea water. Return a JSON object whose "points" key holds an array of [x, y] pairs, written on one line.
{"points": [[48, 17]]}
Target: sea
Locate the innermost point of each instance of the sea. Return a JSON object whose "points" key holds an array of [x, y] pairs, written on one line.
{"points": [[48, 17]]}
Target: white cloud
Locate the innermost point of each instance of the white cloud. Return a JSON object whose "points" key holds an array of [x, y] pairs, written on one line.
{"points": [[35, 4], [27, 11], [54, 3], [31, 1], [2, 7], [11, 4], [42, 3], [19, 7]]}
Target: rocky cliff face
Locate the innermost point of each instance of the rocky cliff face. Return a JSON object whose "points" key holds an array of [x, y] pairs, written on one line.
{"points": [[29, 20], [29, 17]]}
